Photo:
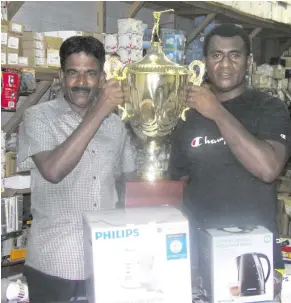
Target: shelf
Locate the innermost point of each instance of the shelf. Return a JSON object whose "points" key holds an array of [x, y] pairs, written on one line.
{"points": [[10, 192], [10, 235], [41, 73], [10, 263]]}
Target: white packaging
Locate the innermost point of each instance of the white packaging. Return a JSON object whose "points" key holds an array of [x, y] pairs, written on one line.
{"points": [[53, 58], [286, 289], [110, 43], [3, 58], [12, 59], [237, 265], [13, 42], [130, 41], [68, 34], [23, 61], [129, 25], [4, 38], [137, 255], [129, 55]]}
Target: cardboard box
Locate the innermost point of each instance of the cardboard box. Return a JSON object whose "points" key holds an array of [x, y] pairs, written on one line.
{"points": [[28, 36], [10, 163], [4, 38], [237, 264], [53, 42], [13, 42], [137, 255], [32, 44], [12, 58], [3, 54], [53, 58], [23, 61], [32, 52], [262, 81], [36, 61], [15, 28]]}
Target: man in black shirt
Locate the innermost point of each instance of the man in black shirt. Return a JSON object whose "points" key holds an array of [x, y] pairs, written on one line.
{"points": [[234, 143]]}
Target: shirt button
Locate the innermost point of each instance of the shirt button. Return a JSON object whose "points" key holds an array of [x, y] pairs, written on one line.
{"points": [[94, 178], [93, 151], [95, 204]]}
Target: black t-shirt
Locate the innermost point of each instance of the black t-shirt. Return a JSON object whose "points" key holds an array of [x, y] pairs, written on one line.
{"points": [[221, 192]]}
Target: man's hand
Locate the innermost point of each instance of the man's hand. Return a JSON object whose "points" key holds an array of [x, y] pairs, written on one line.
{"points": [[204, 101], [111, 95]]}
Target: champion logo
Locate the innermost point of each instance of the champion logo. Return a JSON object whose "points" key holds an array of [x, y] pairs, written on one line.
{"points": [[198, 141]]}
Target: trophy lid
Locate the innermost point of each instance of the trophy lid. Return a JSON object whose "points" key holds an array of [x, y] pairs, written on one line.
{"points": [[155, 61]]}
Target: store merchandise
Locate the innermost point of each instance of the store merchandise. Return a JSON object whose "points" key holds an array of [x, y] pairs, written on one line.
{"points": [[11, 214], [10, 87], [137, 255], [3, 150], [130, 25], [111, 43], [237, 264]]}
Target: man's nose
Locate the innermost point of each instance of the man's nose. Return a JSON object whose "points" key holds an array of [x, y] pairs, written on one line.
{"points": [[225, 62], [82, 79]]}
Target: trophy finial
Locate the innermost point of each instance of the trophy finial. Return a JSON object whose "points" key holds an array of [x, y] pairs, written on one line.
{"points": [[155, 32]]}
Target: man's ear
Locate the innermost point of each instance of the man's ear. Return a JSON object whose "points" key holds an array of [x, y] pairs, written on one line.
{"points": [[102, 79], [250, 60], [61, 75]]}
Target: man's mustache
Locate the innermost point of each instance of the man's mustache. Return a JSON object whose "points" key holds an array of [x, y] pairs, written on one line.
{"points": [[81, 89]]}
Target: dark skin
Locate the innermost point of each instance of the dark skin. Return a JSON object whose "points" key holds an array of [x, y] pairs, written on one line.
{"points": [[82, 78], [226, 65]]}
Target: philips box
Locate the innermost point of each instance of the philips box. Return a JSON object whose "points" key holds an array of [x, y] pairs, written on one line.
{"points": [[137, 255], [236, 265]]}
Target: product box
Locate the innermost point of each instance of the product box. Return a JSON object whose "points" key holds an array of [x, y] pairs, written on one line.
{"points": [[53, 42], [12, 42], [12, 58], [10, 87], [237, 264], [137, 255], [15, 28], [3, 54], [53, 58], [32, 44], [32, 52], [28, 36], [10, 163], [23, 61]]}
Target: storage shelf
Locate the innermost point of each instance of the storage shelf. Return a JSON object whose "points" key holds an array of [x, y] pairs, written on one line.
{"points": [[10, 192], [41, 73], [10, 235]]}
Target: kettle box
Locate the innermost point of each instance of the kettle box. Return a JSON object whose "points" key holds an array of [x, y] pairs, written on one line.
{"points": [[137, 255], [236, 265]]}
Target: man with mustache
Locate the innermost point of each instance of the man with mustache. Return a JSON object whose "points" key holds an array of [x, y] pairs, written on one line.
{"points": [[234, 143], [75, 147]]}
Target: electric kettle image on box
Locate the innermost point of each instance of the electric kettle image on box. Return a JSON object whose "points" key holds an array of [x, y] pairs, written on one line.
{"points": [[251, 276]]}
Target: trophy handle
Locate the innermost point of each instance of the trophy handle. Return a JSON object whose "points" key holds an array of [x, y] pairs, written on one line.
{"points": [[194, 79], [123, 76]]}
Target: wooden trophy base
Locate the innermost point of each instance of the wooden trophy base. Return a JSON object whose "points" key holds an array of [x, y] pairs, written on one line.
{"points": [[157, 193]]}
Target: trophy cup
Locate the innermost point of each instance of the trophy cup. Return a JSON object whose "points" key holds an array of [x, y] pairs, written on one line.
{"points": [[155, 95]]}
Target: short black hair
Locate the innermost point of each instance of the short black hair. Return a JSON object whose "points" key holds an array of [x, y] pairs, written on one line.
{"points": [[227, 30], [77, 44]]}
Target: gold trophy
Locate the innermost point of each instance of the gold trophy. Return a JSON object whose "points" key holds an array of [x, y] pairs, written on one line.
{"points": [[155, 95]]}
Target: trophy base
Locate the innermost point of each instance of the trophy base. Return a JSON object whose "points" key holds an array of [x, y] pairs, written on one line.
{"points": [[158, 193]]}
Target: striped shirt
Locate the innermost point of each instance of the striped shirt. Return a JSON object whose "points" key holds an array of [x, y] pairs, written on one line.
{"points": [[55, 246]]}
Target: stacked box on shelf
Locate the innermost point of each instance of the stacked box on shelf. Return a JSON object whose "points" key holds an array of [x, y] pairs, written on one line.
{"points": [[173, 42], [3, 138], [130, 40], [33, 50]]}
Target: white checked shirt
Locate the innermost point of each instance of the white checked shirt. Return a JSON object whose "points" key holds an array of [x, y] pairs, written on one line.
{"points": [[55, 245]]}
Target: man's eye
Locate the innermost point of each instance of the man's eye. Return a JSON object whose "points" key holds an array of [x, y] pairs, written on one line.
{"points": [[71, 72], [92, 73], [234, 55], [217, 56]]}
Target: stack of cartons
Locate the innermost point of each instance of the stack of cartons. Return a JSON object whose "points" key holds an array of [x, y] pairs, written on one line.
{"points": [[52, 46], [11, 34], [33, 50]]}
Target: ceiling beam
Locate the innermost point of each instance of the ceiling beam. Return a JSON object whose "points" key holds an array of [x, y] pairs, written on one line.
{"points": [[134, 8], [192, 11], [200, 27], [285, 46], [254, 33], [101, 17], [13, 7]]}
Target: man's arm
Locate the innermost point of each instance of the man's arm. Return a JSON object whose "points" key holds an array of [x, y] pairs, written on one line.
{"points": [[56, 162], [265, 159], [264, 155]]}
